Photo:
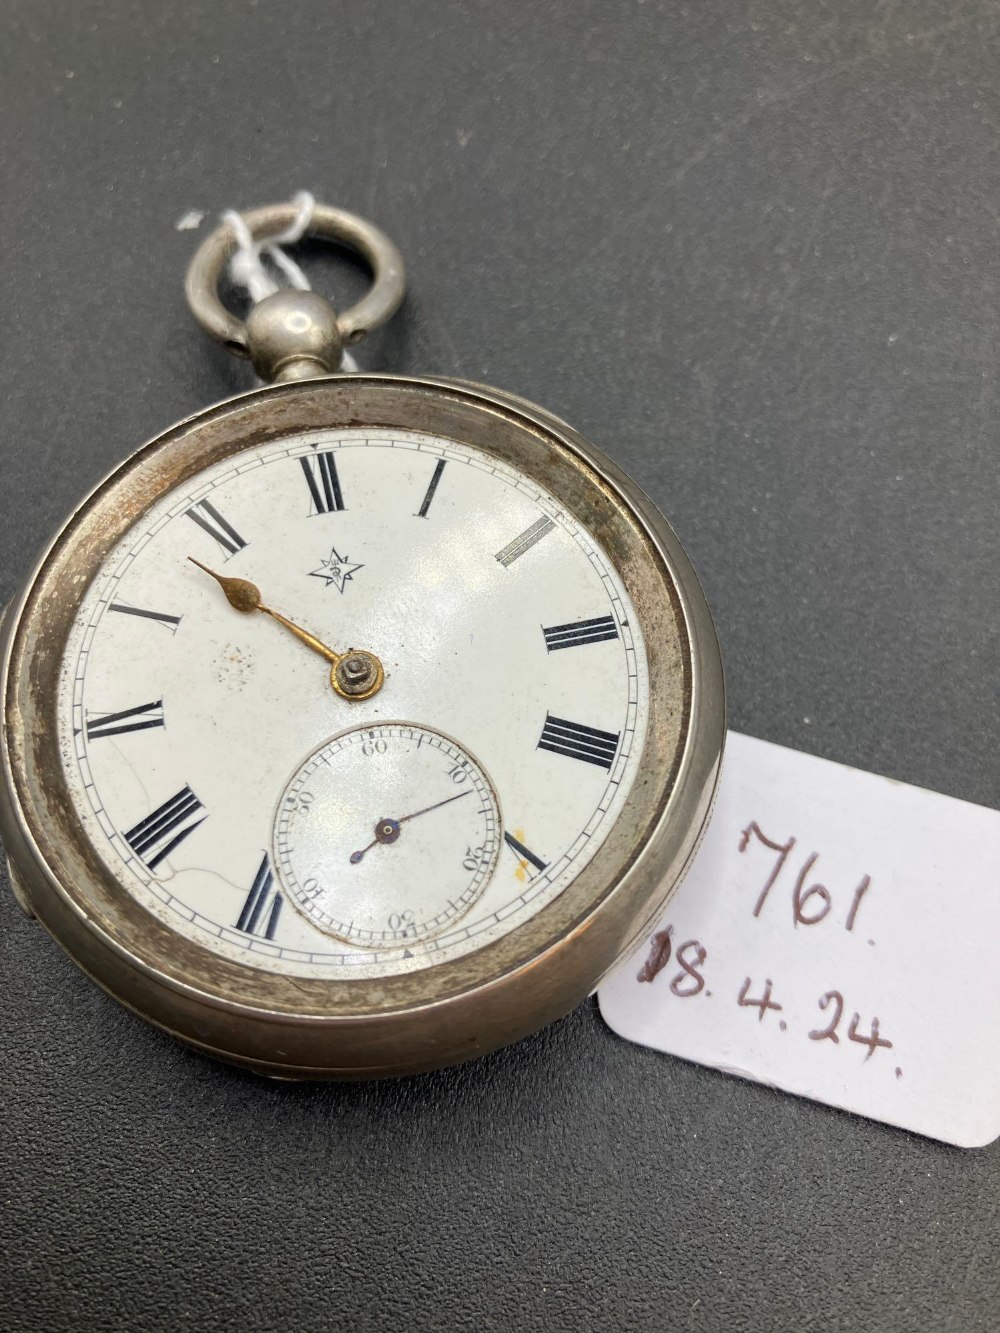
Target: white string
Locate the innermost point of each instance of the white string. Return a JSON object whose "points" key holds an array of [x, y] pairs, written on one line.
{"points": [[246, 266]]}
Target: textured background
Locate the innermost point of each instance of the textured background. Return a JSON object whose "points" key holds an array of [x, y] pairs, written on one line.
{"points": [[753, 251]]}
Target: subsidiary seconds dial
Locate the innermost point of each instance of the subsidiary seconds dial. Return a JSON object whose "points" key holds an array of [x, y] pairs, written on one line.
{"points": [[386, 835]]}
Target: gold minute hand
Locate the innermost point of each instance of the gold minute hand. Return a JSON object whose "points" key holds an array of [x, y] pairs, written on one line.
{"points": [[242, 595], [356, 674]]}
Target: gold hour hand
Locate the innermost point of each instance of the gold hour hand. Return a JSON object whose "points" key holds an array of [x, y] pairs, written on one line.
{"points": [[356, 674]]}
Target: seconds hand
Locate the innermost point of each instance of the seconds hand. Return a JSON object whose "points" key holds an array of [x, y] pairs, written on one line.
{"points": [[387, 830]]}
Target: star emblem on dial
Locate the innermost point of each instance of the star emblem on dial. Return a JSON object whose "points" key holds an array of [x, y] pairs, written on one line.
{"points": [[336, 570]]}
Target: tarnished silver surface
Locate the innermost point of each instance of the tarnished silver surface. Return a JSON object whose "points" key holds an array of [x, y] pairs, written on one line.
{"points": [[295, 1027], [201, 285]]}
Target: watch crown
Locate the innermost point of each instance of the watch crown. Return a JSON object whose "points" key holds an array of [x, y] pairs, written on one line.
{"points": [[293, 335]]}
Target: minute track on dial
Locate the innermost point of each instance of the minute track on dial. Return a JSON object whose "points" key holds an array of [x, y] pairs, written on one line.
{"points": [[461, 627]]}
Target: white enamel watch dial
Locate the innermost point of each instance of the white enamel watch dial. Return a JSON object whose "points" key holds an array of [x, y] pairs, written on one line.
{"points": [[226, 783]]}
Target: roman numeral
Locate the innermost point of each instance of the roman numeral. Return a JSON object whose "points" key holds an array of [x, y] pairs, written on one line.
{"points": [[205, 514], [579, 742], [520, 851], [263, 905], [515, 549], [580, 631], [324, 484], [140, 718], [422, 513], [170, 621], [156, 836]]}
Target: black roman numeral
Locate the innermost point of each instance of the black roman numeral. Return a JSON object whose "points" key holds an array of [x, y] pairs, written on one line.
{"points": [[520, 851], [579, 742], [140, 718], [156, 836], [263, 905], [324, 484], [205, 514], [170, 621], [580, 631], [439, 468]]}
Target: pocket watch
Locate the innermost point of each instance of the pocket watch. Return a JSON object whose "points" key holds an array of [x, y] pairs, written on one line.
{"points": [[356, 725]]}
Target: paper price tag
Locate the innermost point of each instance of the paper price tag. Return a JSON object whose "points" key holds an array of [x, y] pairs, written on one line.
{"points": [[838, 936]]}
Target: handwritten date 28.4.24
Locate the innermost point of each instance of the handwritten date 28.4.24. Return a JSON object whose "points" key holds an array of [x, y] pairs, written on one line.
{"points": [[688, 979]]}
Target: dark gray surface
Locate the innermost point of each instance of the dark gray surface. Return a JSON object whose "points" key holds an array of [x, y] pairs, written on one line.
{"points": [[753, 253]]}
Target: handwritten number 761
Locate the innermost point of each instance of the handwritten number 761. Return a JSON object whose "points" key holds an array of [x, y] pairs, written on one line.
{"points": [[809, 905]]}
